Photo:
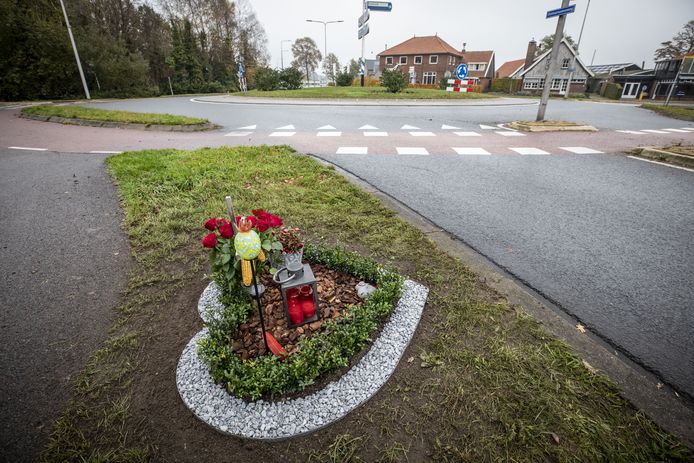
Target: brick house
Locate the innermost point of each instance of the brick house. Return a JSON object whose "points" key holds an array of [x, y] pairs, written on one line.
{"points": [[533, 73], [428, 59]]}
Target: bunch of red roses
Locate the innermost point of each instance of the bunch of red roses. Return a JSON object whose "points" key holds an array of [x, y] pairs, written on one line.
{"points": [[262, 221]]}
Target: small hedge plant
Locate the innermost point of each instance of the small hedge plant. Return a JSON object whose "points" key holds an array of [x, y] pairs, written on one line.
{"points": [[319, 354], [395, 81]]}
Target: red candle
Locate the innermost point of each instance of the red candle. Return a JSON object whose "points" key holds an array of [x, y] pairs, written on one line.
{"points": [[296, 315], [308, 305]]}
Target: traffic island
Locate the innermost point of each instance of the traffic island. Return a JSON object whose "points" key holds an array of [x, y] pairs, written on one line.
{"points": [[94, 117], [550, 126], [678, 155]]}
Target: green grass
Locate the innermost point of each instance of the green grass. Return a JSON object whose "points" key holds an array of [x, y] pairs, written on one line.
{"points": [[367, 93], [107, 115], [685, 113], [484, 383]]}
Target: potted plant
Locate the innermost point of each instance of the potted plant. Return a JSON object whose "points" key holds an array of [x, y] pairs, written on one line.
{"points": [[292, 248]]}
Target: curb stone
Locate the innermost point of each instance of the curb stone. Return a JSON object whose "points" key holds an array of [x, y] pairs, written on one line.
{"points": [[121, 125]]}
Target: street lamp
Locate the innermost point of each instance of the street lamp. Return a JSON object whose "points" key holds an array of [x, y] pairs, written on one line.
{"points": [[282, 52], [325, 32], [573, 64]]}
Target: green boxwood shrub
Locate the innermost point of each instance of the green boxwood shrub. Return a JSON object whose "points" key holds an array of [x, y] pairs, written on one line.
{"points": [[291, 78], [319, 354], [344, 79], [267, 79], [394, 80]]}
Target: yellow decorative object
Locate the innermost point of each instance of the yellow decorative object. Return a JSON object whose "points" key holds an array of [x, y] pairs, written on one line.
{"points": [[261, 256], [246, 273]]}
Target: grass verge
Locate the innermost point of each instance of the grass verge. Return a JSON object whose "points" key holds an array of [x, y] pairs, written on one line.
{"points": [[366, 93], [481, 381], [685, 113], [107, 115]]}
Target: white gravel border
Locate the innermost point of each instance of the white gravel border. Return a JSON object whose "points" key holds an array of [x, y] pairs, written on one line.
{"points": [[212, 404]]}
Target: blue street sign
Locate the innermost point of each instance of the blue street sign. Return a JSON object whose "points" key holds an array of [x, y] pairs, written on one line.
{"points": [[364, 30], [379, 6], [561, 11], [241, 69], [461, 71]]}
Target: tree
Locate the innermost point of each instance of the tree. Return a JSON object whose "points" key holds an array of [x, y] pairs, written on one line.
{"points": [[547, 42], [681, 43], [393, 80], [353, 68], [290, 78], [306, 55], [331, 66]]}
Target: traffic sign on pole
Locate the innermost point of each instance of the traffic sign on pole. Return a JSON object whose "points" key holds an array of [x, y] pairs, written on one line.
{"points": [[364, 30], [364, 18], [379, 6], [461, 71], [560, 11]]}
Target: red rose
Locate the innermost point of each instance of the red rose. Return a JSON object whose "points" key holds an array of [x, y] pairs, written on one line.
{"points": [[258, 212], [261, 225], [211, 224], [275, 221], [226, 231], [210, 240], [271, 220]]}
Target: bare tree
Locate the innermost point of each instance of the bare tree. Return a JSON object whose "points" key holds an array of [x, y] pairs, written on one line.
{"points": [[306, 55], [331, 66], [681, 43]]}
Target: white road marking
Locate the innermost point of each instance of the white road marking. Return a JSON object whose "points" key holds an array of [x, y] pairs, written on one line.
{"points": [[375, 134], [580, 150], [282, 134], [409, 127], [412, 150], [286, 127], [237, 134], [510, 134], [368, 127], [467, 134], [661, 163], [502, 126], [486, 127], [422, 134], [26, 148], [329, 134], [449, 127], [472, 151], [677, 130], [691, 129], [248, 127], [105, 152], [352, 150], [633, 132], [326, 127], [653, 131], [529, 151]]}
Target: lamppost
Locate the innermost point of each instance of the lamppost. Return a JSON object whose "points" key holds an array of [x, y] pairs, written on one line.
{"points": [[573, 64], [282, 52], [74, 49], [325, 32]]}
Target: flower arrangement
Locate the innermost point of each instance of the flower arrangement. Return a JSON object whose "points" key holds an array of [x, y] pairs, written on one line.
{"points": [[290, 239], [226, 265]]}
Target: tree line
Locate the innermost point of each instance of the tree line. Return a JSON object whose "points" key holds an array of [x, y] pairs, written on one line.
{"points": [[127, 47]]}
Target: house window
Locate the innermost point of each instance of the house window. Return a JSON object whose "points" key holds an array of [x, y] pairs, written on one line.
{"points": [[389, 60], [556, 84], [565, 63], [403, 60], [433, 59], [417, 60], [533, 84], [429, 78], [477, 66]]}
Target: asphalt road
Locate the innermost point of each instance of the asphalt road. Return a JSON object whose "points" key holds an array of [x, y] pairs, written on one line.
{"points": [[63, 261], [606, 237]]}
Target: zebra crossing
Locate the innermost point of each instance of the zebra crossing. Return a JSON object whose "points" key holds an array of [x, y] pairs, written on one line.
{"points": [[468, 151], [664, 131]]}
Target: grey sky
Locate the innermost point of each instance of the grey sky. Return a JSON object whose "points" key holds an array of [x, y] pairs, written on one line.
{"points": [[620, 30]]}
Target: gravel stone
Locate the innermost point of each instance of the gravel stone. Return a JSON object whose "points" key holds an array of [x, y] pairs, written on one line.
{"points": [[263, 420]]}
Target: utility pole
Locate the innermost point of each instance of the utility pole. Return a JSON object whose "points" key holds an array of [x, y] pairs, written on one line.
{"points": [[558, 35], [74, 48], [282, 52], [578, 44], [362, 63], [674, 84]]}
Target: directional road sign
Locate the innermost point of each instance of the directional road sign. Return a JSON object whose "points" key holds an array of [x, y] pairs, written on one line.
{"points": [[461, 71], [364, 18], [379, 6], [364, 30], [561, 11]]}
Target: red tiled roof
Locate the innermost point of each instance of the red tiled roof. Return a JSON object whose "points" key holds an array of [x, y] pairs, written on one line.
{"points": [[509, 67], [477, 56], [421, 45]]}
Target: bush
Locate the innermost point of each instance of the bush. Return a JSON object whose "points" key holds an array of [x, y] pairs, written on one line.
{"points": [[369, 81], [267, 79], [613, 91], [443, 83], [291, 78], [506, 85], [395, 81], [344, 79]]}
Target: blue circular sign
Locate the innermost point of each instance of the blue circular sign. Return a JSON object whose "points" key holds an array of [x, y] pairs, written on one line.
{"points": [[461, 71]]}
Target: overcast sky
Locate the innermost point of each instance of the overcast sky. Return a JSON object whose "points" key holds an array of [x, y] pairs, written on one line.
{"points": [[617, 30]]}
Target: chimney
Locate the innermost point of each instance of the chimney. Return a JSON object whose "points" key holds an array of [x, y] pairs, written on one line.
{"points": [[530, 55], [464, 45]]}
